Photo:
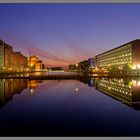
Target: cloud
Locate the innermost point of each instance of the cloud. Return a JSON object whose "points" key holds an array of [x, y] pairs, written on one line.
{"points": [[78, 52], [48, 57]]}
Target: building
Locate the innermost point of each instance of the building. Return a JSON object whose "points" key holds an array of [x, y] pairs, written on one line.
{"points": [[91, 62], [56, 69], [10, 60], [73, 68], [5, 56], [84, 66], [34, 63], [19, 61], [121, 59]]}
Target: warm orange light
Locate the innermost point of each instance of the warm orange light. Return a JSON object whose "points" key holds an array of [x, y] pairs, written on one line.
{"points": [[32, 90], [76, 65], [133, 82]]}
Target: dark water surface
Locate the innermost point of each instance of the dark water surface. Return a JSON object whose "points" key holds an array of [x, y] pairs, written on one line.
{"points": [[86, 107]]}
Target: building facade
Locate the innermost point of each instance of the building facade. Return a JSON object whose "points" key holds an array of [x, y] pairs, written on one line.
{"points": [[91, 62], [121, 58], [10, 60], [5, 56], [34, 63], [1, 55], [19, 61]]}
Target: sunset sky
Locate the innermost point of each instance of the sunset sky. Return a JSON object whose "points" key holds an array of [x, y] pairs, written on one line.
{"points": [[63, 34]]}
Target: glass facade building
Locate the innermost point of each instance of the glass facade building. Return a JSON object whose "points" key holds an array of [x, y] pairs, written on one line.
{"points": [[126, 55]]}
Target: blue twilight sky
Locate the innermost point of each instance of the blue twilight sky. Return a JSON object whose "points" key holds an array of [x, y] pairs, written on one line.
{"points": [[63, 34]]}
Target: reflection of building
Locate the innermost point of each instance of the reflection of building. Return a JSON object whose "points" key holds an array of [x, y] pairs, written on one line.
{"points": [[120, 58], [34, 63], [10, 60], [33, 84], [9, 87], [127, 92]]}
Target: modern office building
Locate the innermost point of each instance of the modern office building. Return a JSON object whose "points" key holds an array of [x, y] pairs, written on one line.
{"points": [[122, 57]]}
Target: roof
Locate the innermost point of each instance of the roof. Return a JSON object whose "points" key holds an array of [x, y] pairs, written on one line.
{"points": [[119, 47]]}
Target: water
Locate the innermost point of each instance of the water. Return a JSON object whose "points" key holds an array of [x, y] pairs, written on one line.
{"points": [[86, 107]]}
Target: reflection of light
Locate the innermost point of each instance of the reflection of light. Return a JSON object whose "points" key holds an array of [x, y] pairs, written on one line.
{"points": [[32, 90], [76, 89]]}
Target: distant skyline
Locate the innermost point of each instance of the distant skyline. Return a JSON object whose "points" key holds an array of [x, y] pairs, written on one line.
{"points": [[63, 34]]}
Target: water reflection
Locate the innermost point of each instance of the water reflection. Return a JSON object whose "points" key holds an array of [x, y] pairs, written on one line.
{"points": [[9, 87], [32, 85], [126, 91]]}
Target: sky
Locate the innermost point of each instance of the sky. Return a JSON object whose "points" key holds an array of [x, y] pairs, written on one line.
{"points": [[63, 34]]}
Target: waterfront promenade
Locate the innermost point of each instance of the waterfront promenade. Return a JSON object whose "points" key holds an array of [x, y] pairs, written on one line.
{"points": [[59, 76]]}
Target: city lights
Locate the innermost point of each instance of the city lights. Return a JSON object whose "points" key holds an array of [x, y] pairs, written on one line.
{"points": [[76, 89]]}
